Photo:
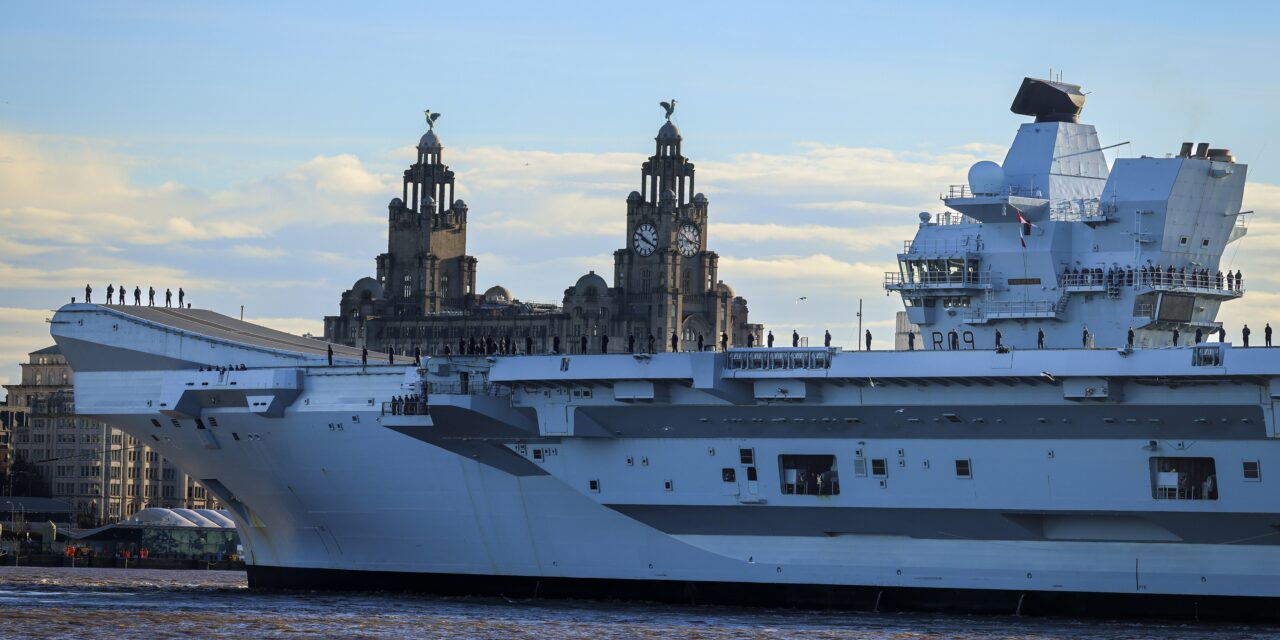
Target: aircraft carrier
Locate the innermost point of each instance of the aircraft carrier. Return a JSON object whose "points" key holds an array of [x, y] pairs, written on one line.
{"points": [[1044, 448]]}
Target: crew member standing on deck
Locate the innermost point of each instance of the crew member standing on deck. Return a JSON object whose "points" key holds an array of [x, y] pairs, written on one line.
{"points": [[1084, 337], [331, 355], [652, 343], [1040, 339], [999, 339], [1222, 334], [364, 355], [1199, 335], [168, 298], [675, 342], [771, 338], [181, 294], [826, 339], [868, 339], [1175, 337], [795, 338], [151, 296], [1244, 333], [1266, 333], [911, 341], [88, 293], [1130, 343], [110, 293], [724, 341], [137, 296]]}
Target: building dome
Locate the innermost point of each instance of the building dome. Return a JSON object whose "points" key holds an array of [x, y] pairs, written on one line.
{"points": [[700, 199], [459, 205], [591, 284], [368, 286], [396, 203], [634, 195], [428, 203], [668, 131], [429, 141], [497, 293], [725, 289], [668, 194]]}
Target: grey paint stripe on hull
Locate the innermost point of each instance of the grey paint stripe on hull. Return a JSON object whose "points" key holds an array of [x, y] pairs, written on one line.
{"points": [[1088, 421], [957, 524]]}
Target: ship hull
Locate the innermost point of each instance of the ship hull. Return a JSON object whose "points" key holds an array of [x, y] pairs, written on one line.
{"points": [[807, 596]]}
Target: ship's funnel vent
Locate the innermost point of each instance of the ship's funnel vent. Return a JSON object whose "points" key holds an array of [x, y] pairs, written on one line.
{"points": [[1202, 150], [1049, 101], [1185, 151]]}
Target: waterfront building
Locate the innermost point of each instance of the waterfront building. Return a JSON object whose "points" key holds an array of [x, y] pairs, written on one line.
{"points": [[103, 472], [425, 293]]}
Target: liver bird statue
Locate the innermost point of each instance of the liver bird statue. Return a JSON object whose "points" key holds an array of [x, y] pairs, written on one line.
{"points": [[431, 119], [669, 106]]}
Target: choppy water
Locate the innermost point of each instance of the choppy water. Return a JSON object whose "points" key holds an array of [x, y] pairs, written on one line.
{"points": [[119, 603]]}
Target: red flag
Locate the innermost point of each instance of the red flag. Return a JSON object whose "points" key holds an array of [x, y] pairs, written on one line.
{"points": [[1024, 229]]}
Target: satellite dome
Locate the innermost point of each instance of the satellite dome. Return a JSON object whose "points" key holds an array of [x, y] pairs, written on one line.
{"points": [[986, 178], [668, 132], [429, 141], [924, 216], [591, 284]]}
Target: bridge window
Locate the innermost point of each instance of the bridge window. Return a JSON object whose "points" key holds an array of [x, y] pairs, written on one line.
{"points": [[879, 467], [1183, 478], [809, 475], [964, 468], [747, 456]]}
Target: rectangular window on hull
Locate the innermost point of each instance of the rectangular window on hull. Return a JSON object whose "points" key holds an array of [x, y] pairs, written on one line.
{"points": [[1252, 471], [809, 475], [1183, 478]]}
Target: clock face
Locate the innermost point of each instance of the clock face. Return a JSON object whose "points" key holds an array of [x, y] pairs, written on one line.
{"points": [[645, 239], [688, 240]]}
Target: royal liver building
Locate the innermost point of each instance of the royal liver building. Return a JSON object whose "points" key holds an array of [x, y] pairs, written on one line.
{"points": [[425, 295]]}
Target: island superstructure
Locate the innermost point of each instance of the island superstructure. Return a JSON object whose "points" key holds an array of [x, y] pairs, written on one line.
{"points": [[1111, 479]]}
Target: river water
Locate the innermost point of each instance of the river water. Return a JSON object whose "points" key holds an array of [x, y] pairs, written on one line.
{"points": [[127, 603]]}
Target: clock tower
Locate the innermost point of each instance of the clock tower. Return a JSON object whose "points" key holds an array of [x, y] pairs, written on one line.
{"points": [[667, 277]]}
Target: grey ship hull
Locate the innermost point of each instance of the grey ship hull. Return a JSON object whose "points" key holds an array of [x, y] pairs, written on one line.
{"points": [[605, 476]]}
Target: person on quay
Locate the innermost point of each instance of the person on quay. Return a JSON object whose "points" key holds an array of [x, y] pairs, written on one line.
{"points": [[700, 343], [582, 344]]}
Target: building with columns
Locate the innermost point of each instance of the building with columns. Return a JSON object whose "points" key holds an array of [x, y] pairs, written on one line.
{"points": [[424, 295]]}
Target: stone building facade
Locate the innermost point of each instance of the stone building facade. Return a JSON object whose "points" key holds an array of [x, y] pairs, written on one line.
{"points": [[425, 296], [106, 474]]}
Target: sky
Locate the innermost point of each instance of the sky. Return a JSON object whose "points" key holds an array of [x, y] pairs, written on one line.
{"points": [[246, 151]]}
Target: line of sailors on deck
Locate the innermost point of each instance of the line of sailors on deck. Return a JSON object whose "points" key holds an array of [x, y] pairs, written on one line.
{"points": [[234, 367], [410, 405], [1152, 275]]}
